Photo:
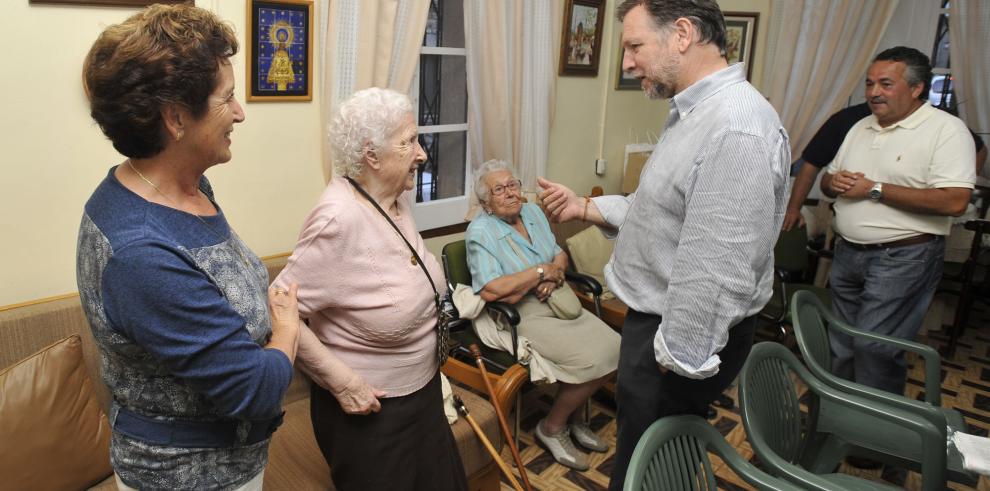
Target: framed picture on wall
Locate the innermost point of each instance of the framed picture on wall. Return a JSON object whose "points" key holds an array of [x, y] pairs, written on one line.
{"points": [[623, 80], [279, 50], [740, 38], [580, 44]]}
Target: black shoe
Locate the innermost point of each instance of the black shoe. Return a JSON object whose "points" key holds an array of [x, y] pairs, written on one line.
{"points": [[723, 401], [863, 463], [712, 413], [894, 475]]}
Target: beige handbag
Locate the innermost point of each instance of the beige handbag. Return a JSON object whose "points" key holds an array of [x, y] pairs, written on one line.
{"points": [[564, 303]]}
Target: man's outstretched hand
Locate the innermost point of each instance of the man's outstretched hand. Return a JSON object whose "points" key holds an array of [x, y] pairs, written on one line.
{"points": [[560, 203]]}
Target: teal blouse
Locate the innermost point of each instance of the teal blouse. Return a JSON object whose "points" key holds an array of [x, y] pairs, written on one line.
{"points": [[490, 254]]}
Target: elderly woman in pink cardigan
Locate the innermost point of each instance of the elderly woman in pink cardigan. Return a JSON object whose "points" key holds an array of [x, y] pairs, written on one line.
{"points": [[365, 289]]}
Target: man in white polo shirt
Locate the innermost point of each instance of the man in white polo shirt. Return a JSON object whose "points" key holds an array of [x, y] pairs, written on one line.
{"points": [[899, 177]]}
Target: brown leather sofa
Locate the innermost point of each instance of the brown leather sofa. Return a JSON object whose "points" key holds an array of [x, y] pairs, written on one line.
{"points": [[54, 403]]}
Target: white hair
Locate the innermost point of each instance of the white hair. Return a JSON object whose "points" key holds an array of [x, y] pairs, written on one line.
{"points": [[367, 117], [481, 190]]}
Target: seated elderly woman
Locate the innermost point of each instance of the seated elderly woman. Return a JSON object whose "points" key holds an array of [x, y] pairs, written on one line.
{"points": [[513, 258], [369, 288]]}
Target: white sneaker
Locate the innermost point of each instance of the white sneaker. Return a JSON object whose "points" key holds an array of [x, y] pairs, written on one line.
{"points": [[586, 438], [562, 449]]}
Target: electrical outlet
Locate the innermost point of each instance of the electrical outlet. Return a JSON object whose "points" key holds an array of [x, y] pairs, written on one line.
{"points": [[600, 167]]}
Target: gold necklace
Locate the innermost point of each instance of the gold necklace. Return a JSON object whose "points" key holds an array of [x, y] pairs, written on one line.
{"points": [[130, 165]]}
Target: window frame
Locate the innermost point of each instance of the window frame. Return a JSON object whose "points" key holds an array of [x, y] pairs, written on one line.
{"points": [[443, 212], [936, 71]]}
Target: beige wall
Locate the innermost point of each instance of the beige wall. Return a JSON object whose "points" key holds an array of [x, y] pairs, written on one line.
{"points": [[54, 155]]}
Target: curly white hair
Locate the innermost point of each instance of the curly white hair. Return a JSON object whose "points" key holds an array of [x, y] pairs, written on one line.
{"points": [[367, 117], [481, 190]]}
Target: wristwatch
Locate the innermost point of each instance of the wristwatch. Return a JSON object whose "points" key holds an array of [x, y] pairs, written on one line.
{"points": [[539, 272], [876, 192]]}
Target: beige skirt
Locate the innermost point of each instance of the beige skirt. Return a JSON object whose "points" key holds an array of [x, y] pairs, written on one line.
{"points": [[578, 350]]}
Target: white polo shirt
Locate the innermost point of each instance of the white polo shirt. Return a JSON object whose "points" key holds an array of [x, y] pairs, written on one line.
{"points": [[928, 149]]}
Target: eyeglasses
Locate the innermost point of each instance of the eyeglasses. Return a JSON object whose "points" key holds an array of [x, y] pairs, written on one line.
{"points": [[512, 185]]}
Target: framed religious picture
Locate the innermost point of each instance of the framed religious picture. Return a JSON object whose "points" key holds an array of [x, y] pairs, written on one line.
{"points": [[279, 50], [740, 38], [136, 3], [580, 44]]}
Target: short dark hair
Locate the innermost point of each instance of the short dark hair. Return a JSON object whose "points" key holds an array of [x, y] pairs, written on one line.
{"points": [[704, 14], [919, 69], [165, 54]]}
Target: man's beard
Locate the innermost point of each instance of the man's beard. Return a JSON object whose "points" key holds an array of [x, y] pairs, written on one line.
{"points": [[658, 90], [661, 84]]}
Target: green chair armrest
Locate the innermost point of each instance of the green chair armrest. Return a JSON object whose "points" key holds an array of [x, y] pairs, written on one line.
{"points": [[584, 282], [511, 316], [933, 362]]}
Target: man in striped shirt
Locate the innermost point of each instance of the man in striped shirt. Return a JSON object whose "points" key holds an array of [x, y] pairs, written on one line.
{"points": [[693, 256]]}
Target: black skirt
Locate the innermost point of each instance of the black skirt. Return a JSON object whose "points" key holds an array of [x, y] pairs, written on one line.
{"points": [[407, 445]]}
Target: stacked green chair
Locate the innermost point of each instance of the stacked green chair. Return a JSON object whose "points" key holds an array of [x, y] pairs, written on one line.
{"points": [[812, 322], [672, 455], [807, 450], [792, 273]]}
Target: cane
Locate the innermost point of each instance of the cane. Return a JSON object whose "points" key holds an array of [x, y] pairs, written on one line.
{"points": [[459, 404], [501, 417]]}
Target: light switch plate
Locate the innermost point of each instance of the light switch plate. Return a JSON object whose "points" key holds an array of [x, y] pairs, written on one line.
{"points": [[600, 167]]}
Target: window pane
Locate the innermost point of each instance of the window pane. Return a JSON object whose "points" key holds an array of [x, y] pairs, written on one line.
{"points": [[942, 93], [445, 24], [442, 90], [442, 176]]}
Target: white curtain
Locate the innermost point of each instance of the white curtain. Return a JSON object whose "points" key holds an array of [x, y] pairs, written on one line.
{"points": [[969, 41], [511, 71], [818, 54], [368, 43]]}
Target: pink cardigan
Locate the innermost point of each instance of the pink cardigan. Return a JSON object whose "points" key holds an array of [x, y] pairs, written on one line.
{"points": [[364, 298]]}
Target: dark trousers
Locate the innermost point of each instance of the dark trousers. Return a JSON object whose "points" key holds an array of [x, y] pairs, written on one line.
{"points": [[408, 445], [644, 394]]}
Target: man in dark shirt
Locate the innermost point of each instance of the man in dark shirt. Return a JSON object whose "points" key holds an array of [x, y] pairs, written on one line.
{"points": [[819, 153], [822, 149]]}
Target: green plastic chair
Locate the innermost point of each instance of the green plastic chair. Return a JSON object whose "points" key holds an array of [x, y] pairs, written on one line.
{"points": [[872, 438], [672, 455], [791, 260], [801, 450], [455, 265]]}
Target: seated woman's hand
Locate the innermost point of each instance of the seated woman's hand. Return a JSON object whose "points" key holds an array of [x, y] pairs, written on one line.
{"points": [[544, 289], [357, 397], [553, 272]]}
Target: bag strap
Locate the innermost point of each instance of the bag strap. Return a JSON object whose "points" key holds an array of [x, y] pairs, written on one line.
{"points": [[436, 294], [517, 250]]}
